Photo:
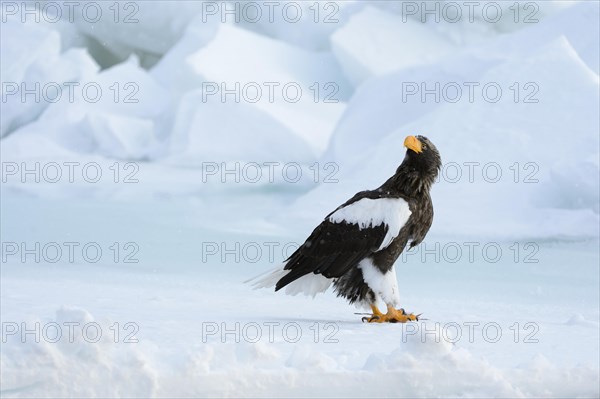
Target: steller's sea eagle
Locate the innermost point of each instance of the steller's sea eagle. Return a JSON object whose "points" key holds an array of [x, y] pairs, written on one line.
{"points": [[355, 247]]}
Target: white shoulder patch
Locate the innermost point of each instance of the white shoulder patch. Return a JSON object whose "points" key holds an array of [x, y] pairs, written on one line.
{"points": [[394, 212]]}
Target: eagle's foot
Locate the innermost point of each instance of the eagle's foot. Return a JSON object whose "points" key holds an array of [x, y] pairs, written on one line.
{"points": [[375, 316], [392, 316], [400, 316]]}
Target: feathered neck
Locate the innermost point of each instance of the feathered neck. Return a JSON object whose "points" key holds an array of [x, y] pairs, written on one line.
{"points": [[410, 181]]}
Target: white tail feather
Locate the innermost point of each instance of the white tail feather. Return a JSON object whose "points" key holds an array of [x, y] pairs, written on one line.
{"points": [[268, 278], [311, 284]]}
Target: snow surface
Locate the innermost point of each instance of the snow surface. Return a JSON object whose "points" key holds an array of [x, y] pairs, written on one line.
{"points": [[200, 230], [374, 43]]}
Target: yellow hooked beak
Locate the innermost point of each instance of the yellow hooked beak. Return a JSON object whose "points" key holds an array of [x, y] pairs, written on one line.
{"points": [[412, 143]]}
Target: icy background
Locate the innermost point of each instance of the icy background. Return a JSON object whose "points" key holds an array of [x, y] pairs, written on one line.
{"points": [[173, 202]]}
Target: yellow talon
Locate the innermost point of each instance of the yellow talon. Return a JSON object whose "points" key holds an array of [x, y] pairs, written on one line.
{"points": [[392, 316]]}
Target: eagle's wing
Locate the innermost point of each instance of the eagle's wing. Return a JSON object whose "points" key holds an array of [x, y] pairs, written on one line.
{"points": [[365, 224]]}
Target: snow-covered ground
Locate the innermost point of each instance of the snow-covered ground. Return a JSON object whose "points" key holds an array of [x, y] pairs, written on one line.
{"points": [[131, 218]]}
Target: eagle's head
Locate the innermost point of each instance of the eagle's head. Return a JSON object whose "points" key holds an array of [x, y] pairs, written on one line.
{"points": [[420, 166], [422, 155]]}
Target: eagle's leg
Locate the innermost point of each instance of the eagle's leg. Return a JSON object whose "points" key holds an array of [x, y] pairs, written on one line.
{"points": [[393, 315]]}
